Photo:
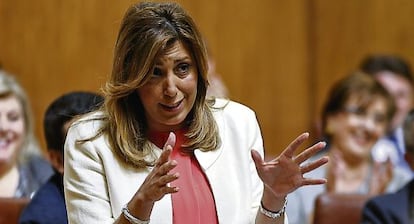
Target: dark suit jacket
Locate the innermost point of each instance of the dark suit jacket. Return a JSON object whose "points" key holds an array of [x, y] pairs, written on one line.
{"points": [[389, 208], [47, 205]]}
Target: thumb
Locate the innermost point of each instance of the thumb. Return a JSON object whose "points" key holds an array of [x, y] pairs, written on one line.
{"points": [[257, 158]]}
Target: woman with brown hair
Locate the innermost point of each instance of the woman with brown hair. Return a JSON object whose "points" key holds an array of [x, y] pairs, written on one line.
{"points": [[160, 151], [356, 113]]}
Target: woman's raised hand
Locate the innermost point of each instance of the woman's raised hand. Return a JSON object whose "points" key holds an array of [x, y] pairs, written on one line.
{"points": [[157, 183], [382, 175], [284, 173]]}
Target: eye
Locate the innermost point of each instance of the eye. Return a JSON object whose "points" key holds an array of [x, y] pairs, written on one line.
{"points": [[156, 72], [359, 111], [355, 110], [14, 116], [183, 68]]}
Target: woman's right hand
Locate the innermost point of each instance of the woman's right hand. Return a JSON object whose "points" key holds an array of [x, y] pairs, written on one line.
{"points": [[157, 183]]}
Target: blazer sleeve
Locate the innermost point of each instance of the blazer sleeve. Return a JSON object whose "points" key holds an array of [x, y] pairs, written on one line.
{"points": [[86, 193]]}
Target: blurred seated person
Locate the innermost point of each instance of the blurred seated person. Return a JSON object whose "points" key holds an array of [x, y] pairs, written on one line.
{"points": [[356, 114], [217, 87], [395, 74], [48, 204], [23, 169], [395, 208]]}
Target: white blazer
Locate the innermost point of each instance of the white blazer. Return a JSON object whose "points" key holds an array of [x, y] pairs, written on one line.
{"points": [[98, 182]]}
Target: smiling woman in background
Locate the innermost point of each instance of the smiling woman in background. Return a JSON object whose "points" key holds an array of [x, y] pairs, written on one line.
{"points": [[22, 168], [357, 113]]}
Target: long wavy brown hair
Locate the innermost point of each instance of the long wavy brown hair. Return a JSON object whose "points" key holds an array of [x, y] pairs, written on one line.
{"points": [[147, 30]]}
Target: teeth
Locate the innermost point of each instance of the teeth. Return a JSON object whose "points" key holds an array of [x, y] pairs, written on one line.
{"points": [[3, 143], [173, 105]]}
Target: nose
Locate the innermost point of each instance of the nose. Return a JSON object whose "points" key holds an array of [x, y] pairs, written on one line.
{"points": [[170, 86], [2, 125], [370, 123]]}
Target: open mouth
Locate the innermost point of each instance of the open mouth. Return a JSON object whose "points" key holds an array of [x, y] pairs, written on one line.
{"points": [[3, 143], [362, 138], [172, 106]]}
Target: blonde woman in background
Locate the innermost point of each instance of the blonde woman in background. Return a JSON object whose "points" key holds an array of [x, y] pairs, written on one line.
{"points": [[22, 167]]}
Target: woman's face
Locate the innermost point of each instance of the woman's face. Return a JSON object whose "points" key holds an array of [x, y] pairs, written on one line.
{"points": [[355, 130], [170, 93], [12, 129]]}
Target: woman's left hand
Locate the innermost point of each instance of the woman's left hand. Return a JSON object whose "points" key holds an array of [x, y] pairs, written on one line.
{"points": [[382, 175], [284, 174]]}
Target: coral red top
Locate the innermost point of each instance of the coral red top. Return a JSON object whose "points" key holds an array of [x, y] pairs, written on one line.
{"points": [[194, 202]]}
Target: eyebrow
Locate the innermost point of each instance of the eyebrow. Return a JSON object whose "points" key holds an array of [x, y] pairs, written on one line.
{"points": [[186, 57], [179, 59]]}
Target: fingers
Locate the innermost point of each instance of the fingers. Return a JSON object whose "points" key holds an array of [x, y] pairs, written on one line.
{"points": [[384, 168], [164, 157], [167, 149], [257, 159], [288, 152], [170, 141], [165, 180], [169, 190], [308, 181], [306, 154], [389, 163], [313, 165]]}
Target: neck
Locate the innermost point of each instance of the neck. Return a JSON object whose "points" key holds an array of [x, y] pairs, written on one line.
{"points": [[160, 137], [9, 179], [352, 173], [352, 160]]}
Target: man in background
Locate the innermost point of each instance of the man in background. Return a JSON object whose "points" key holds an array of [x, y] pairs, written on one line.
{"points": [[48, 204], [395, 74], [396, 207]]}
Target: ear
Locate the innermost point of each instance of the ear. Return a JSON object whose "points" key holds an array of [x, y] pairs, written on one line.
{"points": [[56, 159]]}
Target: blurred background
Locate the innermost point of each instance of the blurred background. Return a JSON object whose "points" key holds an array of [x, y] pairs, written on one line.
{"points": [[279, 57]]}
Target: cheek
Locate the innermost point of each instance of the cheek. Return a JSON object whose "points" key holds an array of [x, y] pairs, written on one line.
{"points": [[147, 95], [404, 103], [346, 123], [190, 87], [380, 130], [18, 127], [18, 133]]}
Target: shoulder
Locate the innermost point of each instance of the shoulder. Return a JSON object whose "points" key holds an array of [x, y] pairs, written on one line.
{"points": [[234, 115], [49, 193], [391, 199], [86, 137], [232, 109], [47, 204], [34, 172], [230, 105], [399, 179], [87, 125], [39, 166]]}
